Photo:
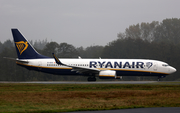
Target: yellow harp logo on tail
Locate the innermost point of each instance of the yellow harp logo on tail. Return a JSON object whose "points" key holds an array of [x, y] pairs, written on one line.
{"points": [[22, 46]]}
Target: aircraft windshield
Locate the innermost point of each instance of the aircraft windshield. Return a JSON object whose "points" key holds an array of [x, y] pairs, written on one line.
{"points": [[165, 65]]}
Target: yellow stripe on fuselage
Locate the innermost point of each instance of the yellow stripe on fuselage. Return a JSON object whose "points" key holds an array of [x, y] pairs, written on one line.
{"points": [[132, 70]]}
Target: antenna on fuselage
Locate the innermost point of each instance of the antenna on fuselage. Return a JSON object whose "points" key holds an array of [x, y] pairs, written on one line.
{"points": [[79, 57]]}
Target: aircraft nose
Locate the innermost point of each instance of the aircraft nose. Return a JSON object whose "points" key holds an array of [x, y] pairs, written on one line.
{"points": [[172, 70]]}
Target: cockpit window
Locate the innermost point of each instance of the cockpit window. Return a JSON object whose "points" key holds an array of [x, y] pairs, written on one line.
{"points": [[165, 65]]}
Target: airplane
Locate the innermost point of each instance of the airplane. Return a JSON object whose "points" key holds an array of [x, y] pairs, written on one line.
{"points": [[29, 58]]}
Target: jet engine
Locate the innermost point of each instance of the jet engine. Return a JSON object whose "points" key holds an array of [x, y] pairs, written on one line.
{"points": [[107, 74]]}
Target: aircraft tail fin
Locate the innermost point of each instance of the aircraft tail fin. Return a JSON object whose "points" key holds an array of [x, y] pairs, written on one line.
{"points": [[23, 48]]}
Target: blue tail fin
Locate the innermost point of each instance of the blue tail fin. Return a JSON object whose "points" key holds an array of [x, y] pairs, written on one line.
{"points": [[23, 48]]}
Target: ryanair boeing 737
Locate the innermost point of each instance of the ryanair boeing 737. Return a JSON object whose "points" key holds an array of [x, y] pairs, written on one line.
{"points": [[29, 58]]}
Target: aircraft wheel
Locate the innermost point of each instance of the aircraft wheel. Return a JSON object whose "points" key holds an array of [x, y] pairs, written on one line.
{"points": [[90, 79], [159, 79]]}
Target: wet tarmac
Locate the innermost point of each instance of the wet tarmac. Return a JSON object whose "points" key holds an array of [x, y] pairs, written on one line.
{"points": [[75, 82]]}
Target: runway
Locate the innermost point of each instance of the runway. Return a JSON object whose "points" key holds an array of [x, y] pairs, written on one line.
{"points": [[97, 82], [75, 82]]}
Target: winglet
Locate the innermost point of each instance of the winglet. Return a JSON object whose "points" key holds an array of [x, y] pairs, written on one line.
{"points": [[57, 60]]}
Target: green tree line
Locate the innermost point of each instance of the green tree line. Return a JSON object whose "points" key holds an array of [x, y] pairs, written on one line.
{"points": [[155, 40]]}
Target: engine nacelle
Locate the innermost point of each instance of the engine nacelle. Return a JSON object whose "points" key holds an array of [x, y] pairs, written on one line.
{"points": [[107, 74]]}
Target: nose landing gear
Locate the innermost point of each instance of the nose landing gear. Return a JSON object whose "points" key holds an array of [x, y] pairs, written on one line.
{"points": [[160, 77]]}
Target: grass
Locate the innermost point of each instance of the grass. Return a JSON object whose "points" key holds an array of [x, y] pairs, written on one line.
{"points": [[80, 97]]}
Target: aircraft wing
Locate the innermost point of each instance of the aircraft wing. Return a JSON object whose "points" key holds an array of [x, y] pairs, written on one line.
{"points": [[76, 68], [84, 70]]}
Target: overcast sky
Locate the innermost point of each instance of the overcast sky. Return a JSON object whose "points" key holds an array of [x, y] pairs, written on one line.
{"points": [[80, 22]]}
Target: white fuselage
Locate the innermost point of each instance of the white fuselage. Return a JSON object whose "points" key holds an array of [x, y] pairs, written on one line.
{"points": [[121, 66]]}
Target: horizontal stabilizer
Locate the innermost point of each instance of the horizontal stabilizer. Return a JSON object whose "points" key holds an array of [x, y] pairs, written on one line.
{"points": [[15, 59]]}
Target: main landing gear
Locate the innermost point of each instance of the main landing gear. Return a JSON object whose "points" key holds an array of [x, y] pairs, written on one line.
{"points": [[160, 77], [91, 78]]}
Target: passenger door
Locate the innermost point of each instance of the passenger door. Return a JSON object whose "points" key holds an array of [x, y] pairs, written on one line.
{"points": [[155, 66]]}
